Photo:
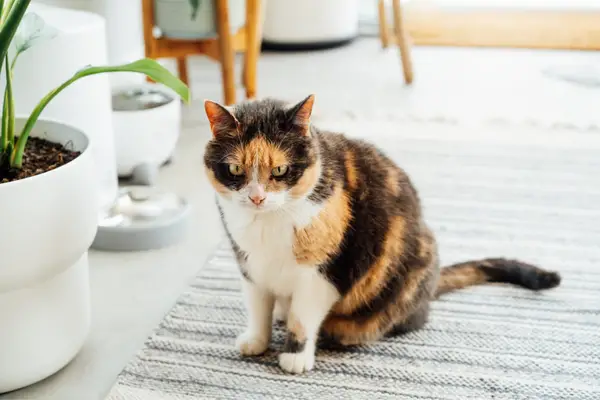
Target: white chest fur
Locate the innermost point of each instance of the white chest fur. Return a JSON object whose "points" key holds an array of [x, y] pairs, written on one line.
{"points": [[267, 239]]}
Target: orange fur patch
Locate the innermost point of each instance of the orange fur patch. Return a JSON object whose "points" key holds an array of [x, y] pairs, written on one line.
{"points": [[261, 153], [295, 327], [454, 279], [375, 279], [408, 295], [315, 243], [219, 118], [392, 181], [265, 156], [307, 182], [354, 332], [302, 117], [351, 173]]}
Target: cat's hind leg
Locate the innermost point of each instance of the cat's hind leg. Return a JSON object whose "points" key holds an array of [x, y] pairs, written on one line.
{"points": [[415, 322]]}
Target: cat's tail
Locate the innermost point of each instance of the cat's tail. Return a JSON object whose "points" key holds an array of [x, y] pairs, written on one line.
{"points": [[499, 270]]}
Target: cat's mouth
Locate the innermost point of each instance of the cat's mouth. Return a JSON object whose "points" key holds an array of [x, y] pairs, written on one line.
{"points": [[255, 207], [260, 208]]}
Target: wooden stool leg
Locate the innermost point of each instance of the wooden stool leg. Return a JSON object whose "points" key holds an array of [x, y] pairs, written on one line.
{"points": [[384, 29], [148, 26], [244, 75], [403, 42], [225, 51], [253, 36], [183, 70]]}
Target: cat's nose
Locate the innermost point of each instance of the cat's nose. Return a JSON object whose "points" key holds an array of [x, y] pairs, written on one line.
{"points": [[257, 199], [257, 193]]}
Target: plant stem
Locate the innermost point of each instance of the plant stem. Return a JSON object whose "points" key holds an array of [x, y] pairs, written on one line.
{"points": [[3, 129], [14, 61], [11, 105], [7, 111]]}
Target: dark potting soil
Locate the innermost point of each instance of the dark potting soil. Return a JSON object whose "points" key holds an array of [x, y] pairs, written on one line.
{"points": [[40, 156]]}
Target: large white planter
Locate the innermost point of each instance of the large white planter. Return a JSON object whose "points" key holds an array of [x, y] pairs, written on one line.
{"points": [[48, 224], [305, 22], [85, 105], [146, 137]]}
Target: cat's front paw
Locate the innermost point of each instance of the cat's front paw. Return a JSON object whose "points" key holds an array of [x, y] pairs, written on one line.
{"points": [[251, 344], [297, 363]]}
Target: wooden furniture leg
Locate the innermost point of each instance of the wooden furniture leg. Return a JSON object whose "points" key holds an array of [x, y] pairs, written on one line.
{"points": [[403, 42], [253, 36], [221, 49], [225, 51], [183, 69], [148, 25], [384, 29]]}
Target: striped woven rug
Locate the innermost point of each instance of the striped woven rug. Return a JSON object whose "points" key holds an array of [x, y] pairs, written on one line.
{"points": [[486, 192]]}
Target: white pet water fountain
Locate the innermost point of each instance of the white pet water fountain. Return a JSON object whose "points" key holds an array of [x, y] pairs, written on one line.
{"points": [[147, 123]]}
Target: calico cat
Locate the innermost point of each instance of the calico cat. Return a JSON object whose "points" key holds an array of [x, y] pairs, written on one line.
{"points": [[328, 233]]}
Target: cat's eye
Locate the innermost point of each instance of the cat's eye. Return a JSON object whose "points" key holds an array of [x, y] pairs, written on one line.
{"points": [[236, 170], [279, 171]]}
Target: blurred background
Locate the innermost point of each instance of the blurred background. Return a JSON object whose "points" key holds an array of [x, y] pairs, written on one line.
{"points": [[523, 60]]}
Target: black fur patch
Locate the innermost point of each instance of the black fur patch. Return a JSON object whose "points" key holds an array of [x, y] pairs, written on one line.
{"points": [[516, 272], [292, 344]]}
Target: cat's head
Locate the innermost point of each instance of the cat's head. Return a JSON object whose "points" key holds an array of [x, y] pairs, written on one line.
{"points": [[262, 155]]}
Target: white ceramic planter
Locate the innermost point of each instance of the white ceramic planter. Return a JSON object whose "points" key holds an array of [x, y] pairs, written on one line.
{"points": [[310, 21], [174, 18], [48, 224], [146, 136], [85, 105]]}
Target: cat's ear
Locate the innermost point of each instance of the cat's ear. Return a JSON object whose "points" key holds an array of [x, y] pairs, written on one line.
{"points": [[301, 112], [222, 121]]}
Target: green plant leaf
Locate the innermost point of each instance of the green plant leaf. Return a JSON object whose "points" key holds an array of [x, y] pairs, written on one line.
{"points": [[10, 24], [146, 66], [6, 6], [32, 30]]}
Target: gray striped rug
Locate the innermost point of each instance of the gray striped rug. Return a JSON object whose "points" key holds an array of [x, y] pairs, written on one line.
{"points": [[494, 191]]}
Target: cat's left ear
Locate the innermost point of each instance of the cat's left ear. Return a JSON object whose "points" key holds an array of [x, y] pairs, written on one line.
{"points": [[300, 114], [222, 121]]}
